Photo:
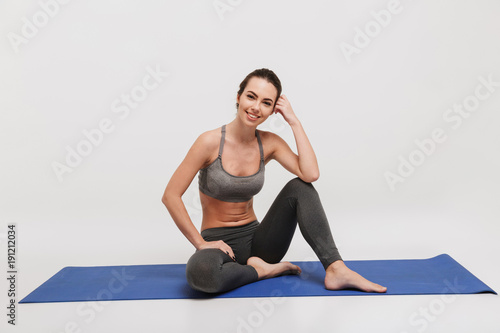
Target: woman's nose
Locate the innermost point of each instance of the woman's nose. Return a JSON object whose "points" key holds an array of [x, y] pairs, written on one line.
{"points": [[256, 106]]}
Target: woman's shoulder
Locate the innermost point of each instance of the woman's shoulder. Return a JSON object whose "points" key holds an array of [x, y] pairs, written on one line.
{"points": [[272, 143], [204, 148], [209, 139], [269, 137]]}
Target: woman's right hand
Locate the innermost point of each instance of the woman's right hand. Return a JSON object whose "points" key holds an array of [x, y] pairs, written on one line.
{"points": [[221, 245]]}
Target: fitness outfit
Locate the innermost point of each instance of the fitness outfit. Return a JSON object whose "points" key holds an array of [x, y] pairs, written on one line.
{"points": [[213, 271]]}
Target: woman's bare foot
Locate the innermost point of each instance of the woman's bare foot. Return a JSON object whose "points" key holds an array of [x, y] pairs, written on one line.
{"points": [[339, 276], [266, 271]]}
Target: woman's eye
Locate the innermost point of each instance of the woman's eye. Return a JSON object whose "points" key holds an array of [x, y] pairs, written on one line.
{"points": [[250, 96], [267, 103]]}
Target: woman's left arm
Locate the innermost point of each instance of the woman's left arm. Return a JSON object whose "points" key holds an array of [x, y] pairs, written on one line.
{"points": [[304, 163]]}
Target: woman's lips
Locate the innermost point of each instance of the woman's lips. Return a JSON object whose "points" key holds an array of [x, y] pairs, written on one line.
{"points": [[252, 116]]}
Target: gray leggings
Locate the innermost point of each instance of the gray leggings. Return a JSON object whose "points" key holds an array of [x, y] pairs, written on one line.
{"points": [[213, 271]]}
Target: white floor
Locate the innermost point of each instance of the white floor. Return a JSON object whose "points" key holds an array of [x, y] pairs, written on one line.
{"points": [[43, 251]]}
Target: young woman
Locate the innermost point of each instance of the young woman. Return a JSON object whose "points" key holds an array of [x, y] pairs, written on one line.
{"points": [[233, 248]]}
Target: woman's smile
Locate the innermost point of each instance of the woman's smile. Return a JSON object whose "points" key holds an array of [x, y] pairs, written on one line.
{"points": [[252, 116]]}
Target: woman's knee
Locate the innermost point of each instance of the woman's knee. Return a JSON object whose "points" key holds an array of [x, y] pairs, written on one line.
{"points": [[203, 270], [297, 185]]}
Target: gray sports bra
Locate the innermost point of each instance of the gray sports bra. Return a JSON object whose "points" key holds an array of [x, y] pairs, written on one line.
{"points": [[217, 183]]}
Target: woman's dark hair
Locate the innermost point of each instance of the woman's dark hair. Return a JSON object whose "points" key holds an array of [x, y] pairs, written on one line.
{"points": [[265, 74]]}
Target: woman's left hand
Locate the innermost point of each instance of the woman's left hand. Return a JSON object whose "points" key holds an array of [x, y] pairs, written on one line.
{"points": [[284, 108]]}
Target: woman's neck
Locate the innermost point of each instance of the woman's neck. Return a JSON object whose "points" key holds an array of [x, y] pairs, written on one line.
{"points": [[240, 131]]}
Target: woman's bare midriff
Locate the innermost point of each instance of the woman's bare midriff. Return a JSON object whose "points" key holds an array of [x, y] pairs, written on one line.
{"points": [[217, 213]]}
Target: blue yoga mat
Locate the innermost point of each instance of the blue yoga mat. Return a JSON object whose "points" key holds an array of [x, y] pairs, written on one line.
{"points": [[438, 275]]}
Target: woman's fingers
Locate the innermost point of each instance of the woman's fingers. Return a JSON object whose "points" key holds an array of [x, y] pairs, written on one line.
{"points": [[226, 249], [221, 245], [284, 108]]}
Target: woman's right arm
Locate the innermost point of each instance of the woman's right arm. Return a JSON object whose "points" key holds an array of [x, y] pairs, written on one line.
{"points": [[197, 157]]}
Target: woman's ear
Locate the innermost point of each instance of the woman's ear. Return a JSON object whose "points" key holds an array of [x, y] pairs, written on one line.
{"points": [[237, 100]]}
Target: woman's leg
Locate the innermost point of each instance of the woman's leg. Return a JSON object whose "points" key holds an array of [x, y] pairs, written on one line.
{"points": [[299, 203], [213, 271]]}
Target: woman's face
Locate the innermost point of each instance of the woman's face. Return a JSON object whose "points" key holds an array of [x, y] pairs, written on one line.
{"points": [[256, 103]]}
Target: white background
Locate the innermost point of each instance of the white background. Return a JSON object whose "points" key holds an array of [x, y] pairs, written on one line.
{"points": [[362, 113]]}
